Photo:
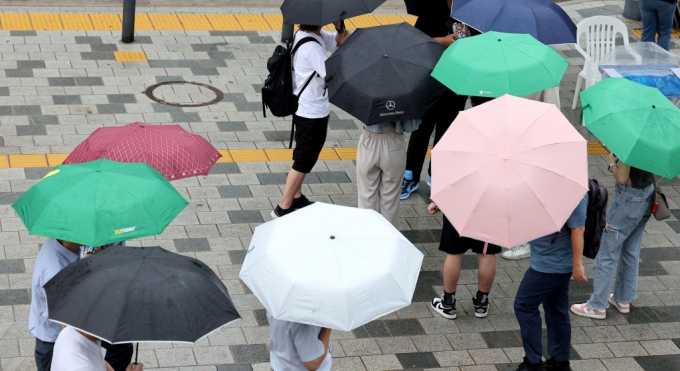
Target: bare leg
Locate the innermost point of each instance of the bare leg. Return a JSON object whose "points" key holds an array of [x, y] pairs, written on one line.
{"points": [[293, 188], [451, 273], [486, 272]]}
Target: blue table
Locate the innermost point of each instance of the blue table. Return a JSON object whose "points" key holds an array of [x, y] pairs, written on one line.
{"points": [[647, 64]]}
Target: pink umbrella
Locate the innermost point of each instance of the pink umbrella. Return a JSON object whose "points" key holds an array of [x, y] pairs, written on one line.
{"points": [[170, 149], [509, 171]]}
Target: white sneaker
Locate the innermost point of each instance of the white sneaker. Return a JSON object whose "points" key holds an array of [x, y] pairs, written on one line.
{"points": [[621, 306], [518, 252], [584, 310]]}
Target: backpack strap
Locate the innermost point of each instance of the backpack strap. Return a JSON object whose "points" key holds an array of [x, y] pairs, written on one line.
{"points": [[303, 41]]}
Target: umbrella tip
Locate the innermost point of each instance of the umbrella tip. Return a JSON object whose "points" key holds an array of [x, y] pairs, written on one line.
{"points": [[99, 170], [653, 105], [332, 237], [385, 55], [499, 39]]}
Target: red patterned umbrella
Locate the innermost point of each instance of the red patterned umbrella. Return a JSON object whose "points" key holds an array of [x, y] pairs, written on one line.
{"points": [[170, 149]]}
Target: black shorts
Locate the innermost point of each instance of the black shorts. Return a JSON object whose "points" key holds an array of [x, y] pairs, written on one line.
{"points": [[452, 243], [310, 135]]}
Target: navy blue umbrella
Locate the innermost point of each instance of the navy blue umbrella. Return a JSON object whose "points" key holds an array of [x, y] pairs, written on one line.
{"points": [[542, 19]]}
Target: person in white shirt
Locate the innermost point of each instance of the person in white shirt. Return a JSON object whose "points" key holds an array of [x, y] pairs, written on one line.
{"points": [[77, 351], [298, 347], [311, 118]]}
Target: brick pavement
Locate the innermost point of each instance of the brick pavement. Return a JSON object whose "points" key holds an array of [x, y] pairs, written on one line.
{"points": [[56, 87]]}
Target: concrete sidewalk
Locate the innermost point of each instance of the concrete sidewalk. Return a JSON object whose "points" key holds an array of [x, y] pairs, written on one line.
{"points": [[58, 86]]}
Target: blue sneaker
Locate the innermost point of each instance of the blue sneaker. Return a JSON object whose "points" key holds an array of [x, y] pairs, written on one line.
{"points": [[429, 181], [407, 187]]}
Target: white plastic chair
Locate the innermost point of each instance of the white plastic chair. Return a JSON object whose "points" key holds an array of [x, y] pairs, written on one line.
{"points": [[600, 37]]}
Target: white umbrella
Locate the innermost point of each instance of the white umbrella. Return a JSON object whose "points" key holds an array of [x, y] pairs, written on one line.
{"points": [[331, 266]]}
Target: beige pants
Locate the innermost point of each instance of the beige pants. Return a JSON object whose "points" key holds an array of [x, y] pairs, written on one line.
{"points": [[381, 161]]}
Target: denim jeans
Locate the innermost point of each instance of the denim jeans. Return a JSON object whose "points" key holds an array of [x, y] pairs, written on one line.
{"points": [[657, 17], [620, 247]]}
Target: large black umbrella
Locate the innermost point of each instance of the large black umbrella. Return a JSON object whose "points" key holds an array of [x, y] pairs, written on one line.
{"points": [[323, 12], [382, 74], [129, 294]]}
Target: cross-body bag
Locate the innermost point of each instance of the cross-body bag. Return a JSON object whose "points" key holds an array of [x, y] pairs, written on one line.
{"points": [[660, 209]]}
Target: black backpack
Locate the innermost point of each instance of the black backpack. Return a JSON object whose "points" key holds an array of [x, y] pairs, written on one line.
{"points": [[596, 218], [277, 92]]}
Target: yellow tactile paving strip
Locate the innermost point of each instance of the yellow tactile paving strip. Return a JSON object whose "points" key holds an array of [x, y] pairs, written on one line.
{"points": [[172, 22], [638, 32], [130, 56], [232, 155]]}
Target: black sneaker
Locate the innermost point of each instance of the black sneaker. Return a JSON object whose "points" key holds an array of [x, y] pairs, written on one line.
{"points": [[300, 202], [447, 311], [526, 366], [279, 212], [481, 306], [553, 365]]}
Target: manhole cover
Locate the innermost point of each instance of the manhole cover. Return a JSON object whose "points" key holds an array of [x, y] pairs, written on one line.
{"points": [[219, 95]]}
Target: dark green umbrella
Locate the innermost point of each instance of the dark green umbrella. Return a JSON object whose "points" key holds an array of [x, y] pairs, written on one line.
{"points": [[100, 202]]}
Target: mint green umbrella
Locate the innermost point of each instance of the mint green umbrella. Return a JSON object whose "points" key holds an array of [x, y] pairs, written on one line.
{"points": [[496, 63], [636, 122], [100, 202]]}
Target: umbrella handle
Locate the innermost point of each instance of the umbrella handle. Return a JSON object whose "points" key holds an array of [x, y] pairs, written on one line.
{"points": [[136, 355], [342, 27]]}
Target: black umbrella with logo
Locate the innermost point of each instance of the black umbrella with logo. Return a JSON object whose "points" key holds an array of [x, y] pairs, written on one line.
{"points": [[323, 12], [382, 74], [131, 294]]}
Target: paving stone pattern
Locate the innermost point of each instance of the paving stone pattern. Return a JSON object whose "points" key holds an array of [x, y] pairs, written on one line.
{"points": [[58, 87]]}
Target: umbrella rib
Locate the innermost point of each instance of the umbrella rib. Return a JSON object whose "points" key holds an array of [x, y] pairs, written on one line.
{"points": [[498, 150], [143, 206], [94, 216], [467, 75], [541, 146], [139, 264], [642, 129], [342, 282], [541, 62], [301, 271], [373, 263], [468, 174], [665, 136], [534, 193], [406, 86], [479, 198], [122, 137], [90, 312], [529, 127], [54, 197], [637, 140], [495, 18], [348, 76], [547, 170]]}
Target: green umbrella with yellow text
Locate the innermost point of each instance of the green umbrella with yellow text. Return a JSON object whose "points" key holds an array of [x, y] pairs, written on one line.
{"points": [[100, 202]]}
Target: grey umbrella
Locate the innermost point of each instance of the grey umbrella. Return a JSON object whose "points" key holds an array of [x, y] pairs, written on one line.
{"points": [[323, 12], [382, 74]]}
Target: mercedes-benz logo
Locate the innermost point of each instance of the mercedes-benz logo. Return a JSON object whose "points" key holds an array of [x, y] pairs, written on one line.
{"points": [[390, 105]]}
